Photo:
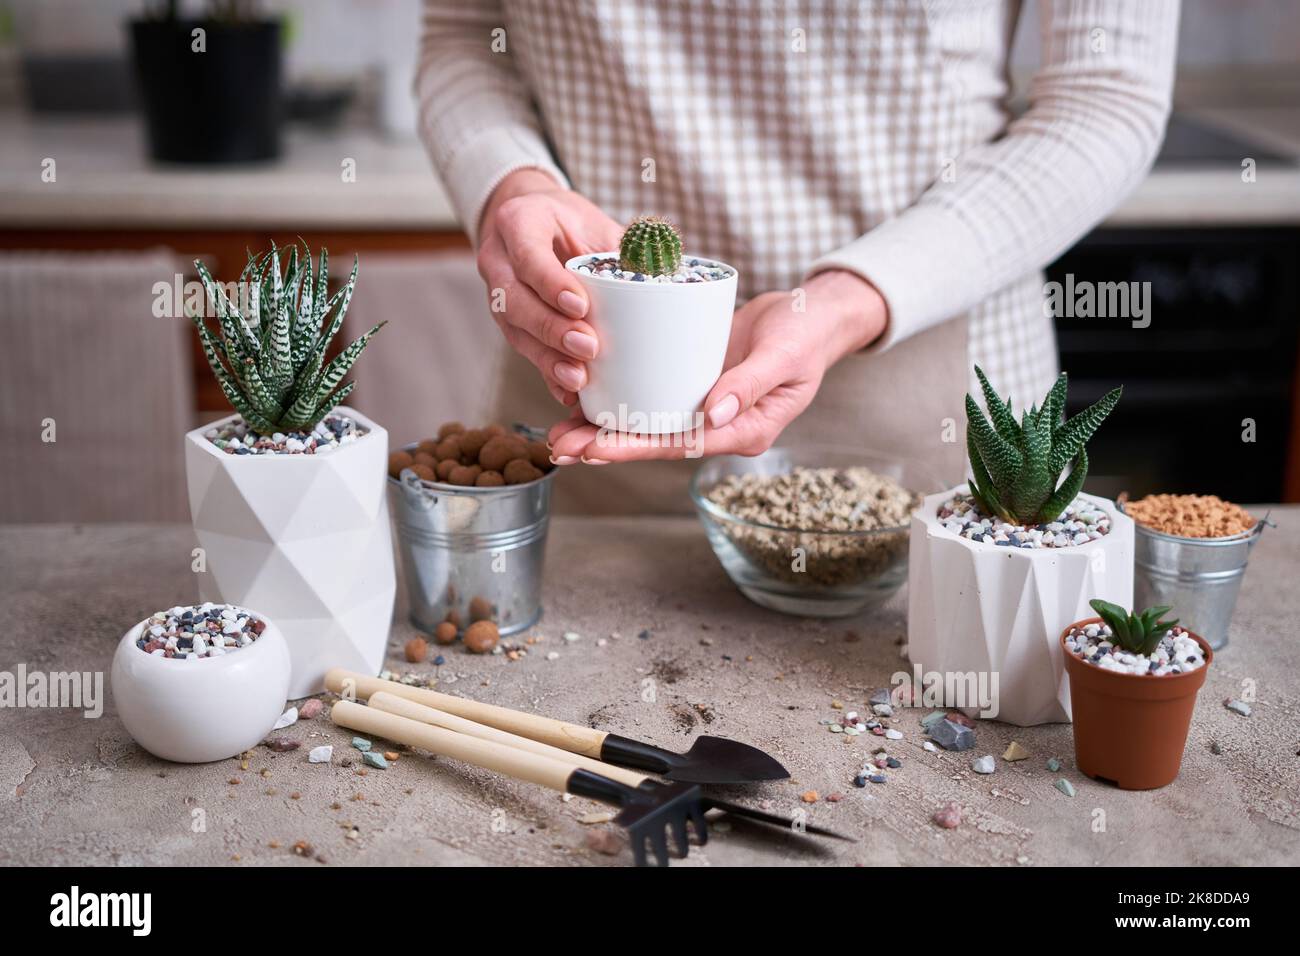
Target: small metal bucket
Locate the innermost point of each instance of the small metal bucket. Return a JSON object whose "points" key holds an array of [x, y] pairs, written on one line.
{"points": [[460, 544], [1198, 577]]}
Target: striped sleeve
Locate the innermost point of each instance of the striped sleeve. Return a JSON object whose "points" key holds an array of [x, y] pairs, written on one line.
{"points": [[476, 115], [1097, 110]]}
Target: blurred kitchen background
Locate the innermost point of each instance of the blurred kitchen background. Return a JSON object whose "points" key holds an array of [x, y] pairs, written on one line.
{"points": [[100, 197]]}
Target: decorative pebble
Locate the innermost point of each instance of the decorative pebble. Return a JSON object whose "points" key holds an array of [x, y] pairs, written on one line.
{"points": [[957, 717], [877, 778], [810, 796], [929, 747], [1237, 706], [236, 438], [880, 696], [690, 270], [1081, 522], [1065, 787], [605, 841], [282, 744], [1053, 764], [952, 736], [1014, 752], [321, 754], [1176, 653], [198, 632], [287, 719], [1215, 747], [929, 720], [572, 636], [310, 708], [892, 734], [375, 760], [983, 764], [948, 816], [361, 744]]}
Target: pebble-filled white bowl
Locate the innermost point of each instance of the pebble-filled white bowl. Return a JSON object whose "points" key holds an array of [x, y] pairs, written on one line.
{"points": [[201, 710]]}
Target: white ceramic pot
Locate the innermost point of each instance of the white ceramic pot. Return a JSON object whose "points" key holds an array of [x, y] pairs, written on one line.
{"points": [[662, 346], [307, 540], [975, 608], [202, 710]]}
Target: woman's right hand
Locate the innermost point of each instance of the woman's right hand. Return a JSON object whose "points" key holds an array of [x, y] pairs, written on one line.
{"points": [[530, 227]]}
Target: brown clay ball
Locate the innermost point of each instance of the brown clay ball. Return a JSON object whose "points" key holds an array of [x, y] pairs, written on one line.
{"points": [[494, 430], [449, 428], [445, 468], [445, 633], [480, 609], [520, 472], [463, 475], [481, 636], [424, 458], [417, 649], [490, 479], [472, 442], [428, 446], [539, 455], [449, 447], [425, 472], [453, 618], [398, 460], [500, 450]]}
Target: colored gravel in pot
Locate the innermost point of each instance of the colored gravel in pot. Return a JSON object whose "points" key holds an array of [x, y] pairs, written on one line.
{"points": [[1177, 652], [236, 438], [1080, 523], [197, 632], [691, 270]]}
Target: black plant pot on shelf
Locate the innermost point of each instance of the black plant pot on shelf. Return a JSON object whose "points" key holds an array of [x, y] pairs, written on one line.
{"points": [[222, 105]]}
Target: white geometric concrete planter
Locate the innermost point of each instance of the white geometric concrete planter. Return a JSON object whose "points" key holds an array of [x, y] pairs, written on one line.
{"points": [[304, 539], [977, 608]]}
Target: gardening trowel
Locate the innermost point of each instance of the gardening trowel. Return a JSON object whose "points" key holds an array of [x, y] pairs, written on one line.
{"points": [[710, 759], [649, 810]]}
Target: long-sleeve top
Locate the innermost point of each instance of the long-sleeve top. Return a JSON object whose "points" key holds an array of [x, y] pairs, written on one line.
{"points": [[787, 138]]}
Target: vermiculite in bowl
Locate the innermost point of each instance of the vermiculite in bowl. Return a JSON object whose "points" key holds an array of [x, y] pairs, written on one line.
{"points": [[811, 532]]}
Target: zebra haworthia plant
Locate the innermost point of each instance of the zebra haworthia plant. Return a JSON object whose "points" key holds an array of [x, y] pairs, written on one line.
{"points": [[269, 359], [1017, 465], [650, 245]]}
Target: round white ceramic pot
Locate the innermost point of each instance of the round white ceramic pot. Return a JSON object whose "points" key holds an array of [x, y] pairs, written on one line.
{"points": [[197, 711], [662, 345], [985, 621]]}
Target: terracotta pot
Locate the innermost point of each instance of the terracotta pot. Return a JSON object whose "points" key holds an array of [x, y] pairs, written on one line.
{"points": [[1130, 729]]}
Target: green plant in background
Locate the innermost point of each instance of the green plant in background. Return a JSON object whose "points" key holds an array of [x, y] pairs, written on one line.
{"points": [[1137, 633], [270, 362], [650, 245], [1017, 464]]}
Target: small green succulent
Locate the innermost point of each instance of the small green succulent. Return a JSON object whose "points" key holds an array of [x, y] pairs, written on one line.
{"points": [[650, 245], [1136, 633], [270, 363], [1017, 464]]}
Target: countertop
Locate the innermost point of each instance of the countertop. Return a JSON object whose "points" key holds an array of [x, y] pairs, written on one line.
{"points": [[105, 181], [79, 791]]}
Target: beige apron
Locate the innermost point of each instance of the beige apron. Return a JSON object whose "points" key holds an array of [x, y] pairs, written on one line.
{"points": [[905, 402]]}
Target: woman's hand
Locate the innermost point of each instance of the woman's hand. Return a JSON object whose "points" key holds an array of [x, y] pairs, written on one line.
{"points": [[530, 226], [775, 362]]}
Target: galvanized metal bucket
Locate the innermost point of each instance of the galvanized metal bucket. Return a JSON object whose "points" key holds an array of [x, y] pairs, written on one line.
{"points": [[460, 544], [1198, 577]]}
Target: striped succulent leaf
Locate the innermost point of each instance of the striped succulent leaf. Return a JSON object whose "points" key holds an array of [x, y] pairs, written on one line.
{"points": [[270, 364], [1017, 466]]}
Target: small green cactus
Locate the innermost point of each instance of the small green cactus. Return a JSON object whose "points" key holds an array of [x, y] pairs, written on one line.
{"points": [[1136, 633], [650, 245], [1017, 464]]}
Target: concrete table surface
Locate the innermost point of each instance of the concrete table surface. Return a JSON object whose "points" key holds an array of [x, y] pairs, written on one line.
{"points": [[75, 790]]}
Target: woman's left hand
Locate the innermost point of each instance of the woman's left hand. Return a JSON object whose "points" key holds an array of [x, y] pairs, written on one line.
{"points": [[776, 358]]}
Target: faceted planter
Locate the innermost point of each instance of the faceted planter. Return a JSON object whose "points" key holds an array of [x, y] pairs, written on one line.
{"points": [[306, 540], [1131, 729], [975, 608]]}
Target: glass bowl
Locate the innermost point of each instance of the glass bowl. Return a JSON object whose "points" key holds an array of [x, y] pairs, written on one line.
{"points": [[803, 571]]}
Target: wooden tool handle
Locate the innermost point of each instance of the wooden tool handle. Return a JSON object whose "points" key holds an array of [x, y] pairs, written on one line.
{"points": [[519, 764], [570, 737], [391, 703]]}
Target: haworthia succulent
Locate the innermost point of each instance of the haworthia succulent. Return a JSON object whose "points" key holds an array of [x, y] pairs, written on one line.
{"points": [[274, 373], [1016, 466]]}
